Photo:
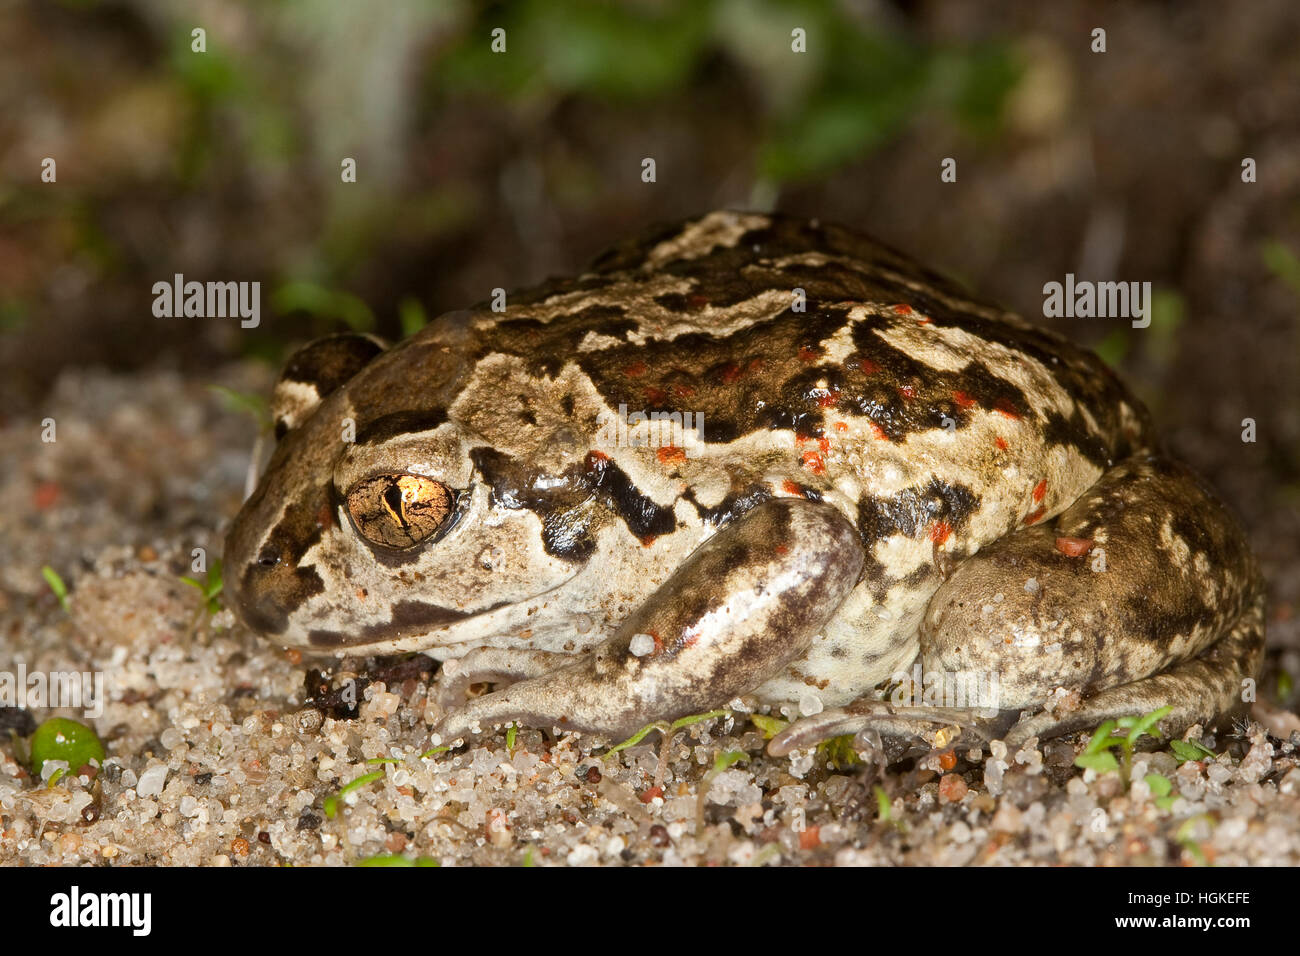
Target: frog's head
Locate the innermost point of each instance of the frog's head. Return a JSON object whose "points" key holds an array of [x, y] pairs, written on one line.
{"points": [[382, 523]]}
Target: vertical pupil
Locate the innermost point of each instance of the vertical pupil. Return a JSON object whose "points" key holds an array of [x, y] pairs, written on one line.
{"points": [[393, 498]]}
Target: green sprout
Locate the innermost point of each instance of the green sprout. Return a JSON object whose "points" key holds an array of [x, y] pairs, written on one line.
{"points": [[510, 737], [434, 750], [411, 314], [1186, 750], [331, 803], [1123, 733], [1184, 838], [1161, 789], [839, 751], [770, 726], [211, 590], [320, 302], [884, 806], [664, 728], [56, 585]]}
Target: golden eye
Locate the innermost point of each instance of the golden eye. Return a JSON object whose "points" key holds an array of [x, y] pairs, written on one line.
{"points": [[400, 511]]}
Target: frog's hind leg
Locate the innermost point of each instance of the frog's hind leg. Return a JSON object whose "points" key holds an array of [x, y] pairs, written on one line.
{"points": [[746, 603], [1198, 690], [1142, 594]]}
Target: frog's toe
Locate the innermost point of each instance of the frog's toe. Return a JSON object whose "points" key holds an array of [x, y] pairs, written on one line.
{"points": [[901, 730], [492, 665]]}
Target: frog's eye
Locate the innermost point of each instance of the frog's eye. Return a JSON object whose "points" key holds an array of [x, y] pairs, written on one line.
{"points": [[400, 511]]}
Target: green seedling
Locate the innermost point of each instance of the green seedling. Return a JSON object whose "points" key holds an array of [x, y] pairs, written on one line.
{"points": [[1123, 733], [211, 588], [56, 585], [770, 726], [664, 728], [331, 803], [1186, 750]]}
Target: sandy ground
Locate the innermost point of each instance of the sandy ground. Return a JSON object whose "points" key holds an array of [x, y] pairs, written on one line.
{"points": [[217, 757]]}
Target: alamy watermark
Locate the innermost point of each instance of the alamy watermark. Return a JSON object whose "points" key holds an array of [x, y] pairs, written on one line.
{"points": [[1100, 300], [681, 432], [937, 688], [75, 690], [208, 300]]}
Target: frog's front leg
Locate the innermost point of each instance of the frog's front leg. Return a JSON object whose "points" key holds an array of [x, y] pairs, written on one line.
{"points": [[1142, 594], [746, 603]]}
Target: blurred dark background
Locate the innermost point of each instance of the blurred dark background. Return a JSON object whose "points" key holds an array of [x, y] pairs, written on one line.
{"points": [[478, 170]]}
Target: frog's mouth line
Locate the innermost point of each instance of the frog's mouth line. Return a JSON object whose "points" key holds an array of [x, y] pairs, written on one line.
{"points": [[408, 617], [413, 622]]}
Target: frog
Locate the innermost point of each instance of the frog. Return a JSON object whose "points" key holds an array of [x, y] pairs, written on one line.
{"points": [[862, 476]]}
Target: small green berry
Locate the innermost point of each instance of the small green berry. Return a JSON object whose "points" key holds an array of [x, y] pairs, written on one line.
{"points": [[62, 739]]}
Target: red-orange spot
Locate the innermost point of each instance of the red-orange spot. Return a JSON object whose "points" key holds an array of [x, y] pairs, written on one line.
{"points": [[731, 372], [827, 401], [903, 309], [924, 320], [841, 427], [907, 391], [1005, 407], [1001, 443], [878, 432], [811, 838], [824, 444], [1074, 547], [656, 396], [1040, 489], [813, 462], [697, 301], [792, 487], [1036, 515], [47, 492], [862, 364], [648, 540], [962, 399], [939, 532], [671, 455], [595, 459], [948, 759], [755, 365], [807, 354], [634, 370], [648, 795], [782, 549], [683, 391], [325, 516]]}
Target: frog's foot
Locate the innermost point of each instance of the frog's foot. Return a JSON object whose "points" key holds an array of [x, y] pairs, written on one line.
{"points": [[1199, 690], [492, 665], [901, 729], [745, 604]]}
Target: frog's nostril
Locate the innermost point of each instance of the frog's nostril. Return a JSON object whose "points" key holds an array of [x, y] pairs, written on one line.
{"points": [[268, 559]]}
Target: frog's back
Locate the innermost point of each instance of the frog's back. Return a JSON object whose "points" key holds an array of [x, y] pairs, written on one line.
{"points": [[813, 356]]}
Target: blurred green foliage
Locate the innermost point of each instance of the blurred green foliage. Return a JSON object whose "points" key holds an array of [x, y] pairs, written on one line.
{"points": [[854, 89]]}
